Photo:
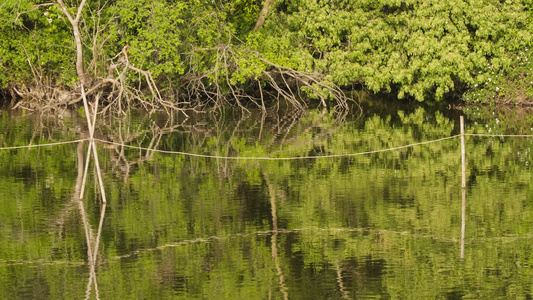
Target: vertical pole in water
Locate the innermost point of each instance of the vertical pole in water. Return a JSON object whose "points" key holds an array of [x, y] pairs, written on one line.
{"points": [[463, 185], [92, 144]]}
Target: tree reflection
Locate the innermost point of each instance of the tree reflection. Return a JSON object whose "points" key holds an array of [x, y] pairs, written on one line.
{"points": [[92, 241], [274, 238]]}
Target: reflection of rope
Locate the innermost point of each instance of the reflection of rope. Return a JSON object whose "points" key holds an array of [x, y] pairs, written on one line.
{"points": [[499, 135], [298, 230], [276, 158], [42, 262], [270, 158], [267, 233], [281, 231], [42, 145]]}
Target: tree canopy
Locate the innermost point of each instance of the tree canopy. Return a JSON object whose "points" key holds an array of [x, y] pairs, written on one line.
{"points": [[196, 52]]}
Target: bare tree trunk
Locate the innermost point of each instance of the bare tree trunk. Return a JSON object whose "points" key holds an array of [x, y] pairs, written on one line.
{"points": [[77, 38], [79, 55], [263, 13]]}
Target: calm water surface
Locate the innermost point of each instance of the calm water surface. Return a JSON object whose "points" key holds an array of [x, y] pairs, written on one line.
{"points": [[382, 225]]}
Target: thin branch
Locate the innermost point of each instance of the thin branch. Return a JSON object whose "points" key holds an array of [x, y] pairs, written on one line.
{"points": [[34, 8]]}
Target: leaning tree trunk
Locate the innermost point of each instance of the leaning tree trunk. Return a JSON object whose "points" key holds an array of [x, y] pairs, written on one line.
{"points": [[80, 69], [263, 13]]}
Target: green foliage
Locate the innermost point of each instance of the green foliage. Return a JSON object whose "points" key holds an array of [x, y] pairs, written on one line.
{"points": [[36, 45], [426, 50], [506, 85], [420, 49], [243, 14], [153, 30]]}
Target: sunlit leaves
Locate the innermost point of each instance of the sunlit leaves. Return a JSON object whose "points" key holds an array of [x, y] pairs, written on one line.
{"points": [[35, 44], [153, 32], [420, 49], [426, 50]]}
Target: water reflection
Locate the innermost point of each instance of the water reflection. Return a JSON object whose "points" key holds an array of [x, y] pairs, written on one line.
{"points": [[463, 187], [92, 255], [272, 191], [384, 225], [92, 242]]}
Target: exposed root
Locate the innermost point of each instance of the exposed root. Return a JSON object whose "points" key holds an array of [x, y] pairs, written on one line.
{"points": [[274, 81], [227, 74], [119, 96], [215, 88]]}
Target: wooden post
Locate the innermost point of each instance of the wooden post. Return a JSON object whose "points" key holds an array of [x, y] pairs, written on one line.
{"points": [[463, 185], [92, 144], [91, 134]]}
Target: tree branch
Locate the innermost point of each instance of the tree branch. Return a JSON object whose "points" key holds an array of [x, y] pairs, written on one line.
{"points": [[263, 13], [80, 69]]}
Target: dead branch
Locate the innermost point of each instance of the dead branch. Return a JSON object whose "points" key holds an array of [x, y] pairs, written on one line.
{"points": [[74, 22], [263, 13], [34, 8]]}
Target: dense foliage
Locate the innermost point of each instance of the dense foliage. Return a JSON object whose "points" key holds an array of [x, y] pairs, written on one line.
{"points": [[206, 50]]}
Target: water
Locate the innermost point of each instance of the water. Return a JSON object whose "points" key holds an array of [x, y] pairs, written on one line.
{"points": [[383, 225]]}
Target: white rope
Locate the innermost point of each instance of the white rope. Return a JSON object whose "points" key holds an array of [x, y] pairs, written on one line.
{"points": [[499, 135], [42, 145], [267, 158], [276, 158]]}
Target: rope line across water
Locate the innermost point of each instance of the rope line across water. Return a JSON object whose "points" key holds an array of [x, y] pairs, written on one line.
{"points": [[43, 145], [266, 158], [276, 158], [499, 135]]}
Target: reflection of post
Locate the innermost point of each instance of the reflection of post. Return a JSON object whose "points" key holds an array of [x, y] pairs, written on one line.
{"points": [[80, 183], [79, 180], [92, 251], [463, 225], [93, 254], [274, 240], [97, 242], [463, 185], [344, 292], [90, 259]]}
